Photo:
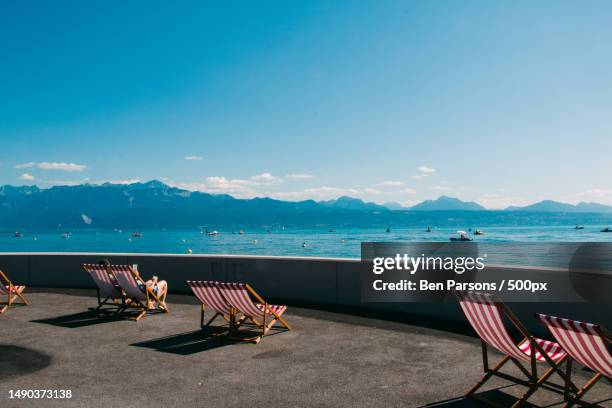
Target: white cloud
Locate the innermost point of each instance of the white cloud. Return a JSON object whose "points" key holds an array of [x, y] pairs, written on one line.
{"points": [[407, 191], [218, 185], [193, 158], [26, 176], [372, 191], [391, 183], [266, 178], [419, 176], [298, 176], [427, 170], [128, 181], [441, 188], [52, 166]]}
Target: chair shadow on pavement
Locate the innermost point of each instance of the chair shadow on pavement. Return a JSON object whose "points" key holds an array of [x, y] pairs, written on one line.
{"points": [[81, 319], [496, 396], [188, 343]]}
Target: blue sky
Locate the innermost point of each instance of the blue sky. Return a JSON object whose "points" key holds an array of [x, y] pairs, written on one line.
{"points": [[499, 102]]}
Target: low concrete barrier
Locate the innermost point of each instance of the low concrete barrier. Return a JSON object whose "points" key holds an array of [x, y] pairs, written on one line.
{"points": [[326, 282]]}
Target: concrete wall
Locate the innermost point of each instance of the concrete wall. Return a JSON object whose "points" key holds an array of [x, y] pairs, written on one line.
{"points": [[327, 282]]}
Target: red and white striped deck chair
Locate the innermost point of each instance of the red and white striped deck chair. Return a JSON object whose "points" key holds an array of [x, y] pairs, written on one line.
{"points": [[586, 343], [105, 287], [12, 293], [485, 315], [144, 299], [238, 295], [209, 295]]}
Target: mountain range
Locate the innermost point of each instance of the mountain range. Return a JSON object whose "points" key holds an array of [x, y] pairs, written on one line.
{"points": [[154, 204]]}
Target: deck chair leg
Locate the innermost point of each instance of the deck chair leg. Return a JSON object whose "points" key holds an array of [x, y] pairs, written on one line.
{"points": [[3, 309], [584, 390], [119, 310], [211, 319], [568, 376], [142, 313], [535, 387], [23, 299], [487, 376], [284, 323], [102, 303]]}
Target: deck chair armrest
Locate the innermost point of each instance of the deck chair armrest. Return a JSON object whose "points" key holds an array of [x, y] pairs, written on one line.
{"points": [[4, 278], [255, 295], [515, 321]]}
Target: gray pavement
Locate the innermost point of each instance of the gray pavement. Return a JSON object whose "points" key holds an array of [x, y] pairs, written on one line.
{"points": [[328, 360]]}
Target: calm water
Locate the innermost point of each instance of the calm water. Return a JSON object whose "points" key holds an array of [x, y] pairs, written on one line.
{"points": [[319, 242]]}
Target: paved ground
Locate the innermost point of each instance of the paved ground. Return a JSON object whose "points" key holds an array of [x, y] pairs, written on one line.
{"points": [[328, 360]]}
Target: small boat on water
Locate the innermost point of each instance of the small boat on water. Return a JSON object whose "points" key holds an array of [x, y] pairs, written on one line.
{"points": [[607, 229], [578, 227], [241, 232], [18, 234], [461, 236], [428, 229], [332, 230], [136, 235], [478, 232], [388, 230], [212, 233], [66, 235]]}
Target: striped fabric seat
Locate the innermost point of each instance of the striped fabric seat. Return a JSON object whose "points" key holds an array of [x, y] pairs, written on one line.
{"points": [[262, 314], [143, 299], [279, 310], [5, 289], [10, 293], [586, 343], [102, 279], [238, 296], [127, 281], [208, 294], [485, 318], [552, 349]]}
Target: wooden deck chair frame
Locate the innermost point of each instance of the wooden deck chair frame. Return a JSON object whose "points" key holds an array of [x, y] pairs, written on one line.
{"points": [[12, 293], [532, 381], [268, 311], [217, 309], [105, 302], [136, 302], [572, 393]]}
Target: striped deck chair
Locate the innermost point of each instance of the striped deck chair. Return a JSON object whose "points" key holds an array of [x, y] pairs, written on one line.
{"points": [[11, 291], [485, 315], [145, 300], [209, 295], [238, 295], [105, 287], [585, 343]]}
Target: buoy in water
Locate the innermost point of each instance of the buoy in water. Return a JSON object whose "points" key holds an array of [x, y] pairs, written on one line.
{"points": [[189, 251]]}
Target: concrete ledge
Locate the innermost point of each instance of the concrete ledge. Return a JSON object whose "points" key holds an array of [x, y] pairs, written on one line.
{"points": [[327, 282]]}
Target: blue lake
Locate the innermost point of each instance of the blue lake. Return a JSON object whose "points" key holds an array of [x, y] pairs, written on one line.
{"points": [[318, 242]]}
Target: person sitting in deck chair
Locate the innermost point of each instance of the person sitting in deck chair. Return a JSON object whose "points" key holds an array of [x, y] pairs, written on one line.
{"points": [[159, 287]]}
